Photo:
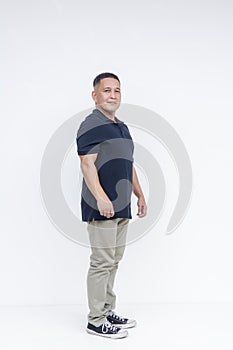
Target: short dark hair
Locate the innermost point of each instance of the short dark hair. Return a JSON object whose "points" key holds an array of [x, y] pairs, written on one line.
{"points": [[103, 76]]}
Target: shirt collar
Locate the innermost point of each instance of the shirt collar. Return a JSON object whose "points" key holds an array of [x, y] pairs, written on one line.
{"points": [[105, 118]]}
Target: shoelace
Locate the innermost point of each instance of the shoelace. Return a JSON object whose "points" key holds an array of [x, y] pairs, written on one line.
{"points": [[119, 318], [107, 326]]}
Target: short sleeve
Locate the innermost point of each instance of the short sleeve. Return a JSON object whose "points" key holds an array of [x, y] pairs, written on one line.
{"points": [[88, 143]]}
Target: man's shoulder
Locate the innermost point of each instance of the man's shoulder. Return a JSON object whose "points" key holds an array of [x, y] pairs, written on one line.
{"points": [[90, 122]]}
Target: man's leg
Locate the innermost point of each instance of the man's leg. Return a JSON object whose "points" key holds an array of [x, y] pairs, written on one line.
{"points": [[122, 227], [102, 236]]}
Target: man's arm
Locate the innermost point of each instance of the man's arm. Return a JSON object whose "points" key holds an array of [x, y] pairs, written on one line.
{"points": [[91, 177], [141, 203]]}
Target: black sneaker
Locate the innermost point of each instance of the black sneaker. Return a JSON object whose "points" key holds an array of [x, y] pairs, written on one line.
{"points": [[107, 330], [121, 322]]}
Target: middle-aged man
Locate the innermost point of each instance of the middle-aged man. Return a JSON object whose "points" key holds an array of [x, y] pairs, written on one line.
{"points": [[105, 147]]}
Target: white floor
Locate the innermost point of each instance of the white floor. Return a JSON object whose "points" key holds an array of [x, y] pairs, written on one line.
{"points": [[160, 327]]}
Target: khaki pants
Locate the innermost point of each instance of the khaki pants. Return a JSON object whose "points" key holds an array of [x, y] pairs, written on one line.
{"points": [[107, 239]]}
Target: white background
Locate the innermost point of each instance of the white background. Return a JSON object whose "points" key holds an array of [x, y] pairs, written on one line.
{"points": [[173, 57]]}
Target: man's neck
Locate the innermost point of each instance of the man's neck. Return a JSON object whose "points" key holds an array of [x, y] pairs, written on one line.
{"points": [[107, 114]]}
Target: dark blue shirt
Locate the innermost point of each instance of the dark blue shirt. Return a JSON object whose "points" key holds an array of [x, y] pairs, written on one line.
{"points": [[114, 145]]}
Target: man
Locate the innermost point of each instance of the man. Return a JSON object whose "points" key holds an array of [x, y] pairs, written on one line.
{"points": [[106, 149]]}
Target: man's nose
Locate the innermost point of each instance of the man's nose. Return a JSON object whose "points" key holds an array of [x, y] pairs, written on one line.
{"points": [[112, 94]]}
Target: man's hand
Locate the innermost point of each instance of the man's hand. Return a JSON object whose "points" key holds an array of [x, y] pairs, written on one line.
{"points": [[142, 207], [105, 207], [141, 203]]}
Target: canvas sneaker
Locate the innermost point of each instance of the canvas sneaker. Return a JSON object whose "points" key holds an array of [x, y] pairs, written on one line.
{"points": [[107, 330], [119, 321]]}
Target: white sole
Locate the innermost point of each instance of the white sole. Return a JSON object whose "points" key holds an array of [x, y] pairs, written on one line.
{"points": [[112, 336]]}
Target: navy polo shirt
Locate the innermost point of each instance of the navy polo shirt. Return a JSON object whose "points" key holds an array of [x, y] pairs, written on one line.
{"points": [[114, 145]]}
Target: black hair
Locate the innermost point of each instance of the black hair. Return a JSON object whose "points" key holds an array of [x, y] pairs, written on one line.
{"points": [[104, 75]]}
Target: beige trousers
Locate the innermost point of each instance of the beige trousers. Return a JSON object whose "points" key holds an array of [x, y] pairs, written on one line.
{"points": [[107, 239]]}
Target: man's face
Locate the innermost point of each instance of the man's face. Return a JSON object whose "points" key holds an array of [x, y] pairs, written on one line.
{"points": [[107, 95]]}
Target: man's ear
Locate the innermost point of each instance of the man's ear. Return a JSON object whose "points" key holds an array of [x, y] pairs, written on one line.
{"points": [[93, 94]]}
